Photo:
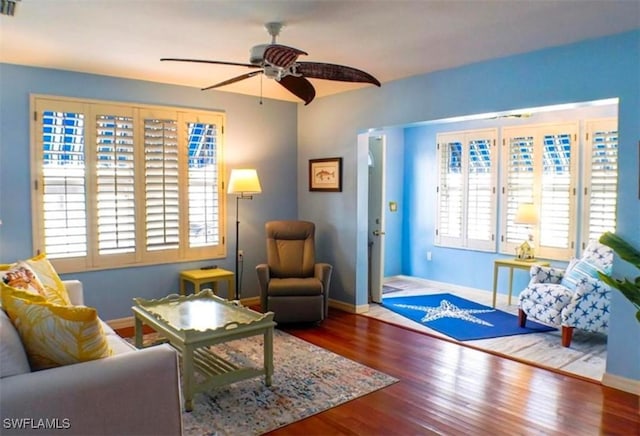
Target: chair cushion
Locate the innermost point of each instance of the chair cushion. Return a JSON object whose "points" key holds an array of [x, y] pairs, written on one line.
{"points": [[294, 286], [52, 334]]}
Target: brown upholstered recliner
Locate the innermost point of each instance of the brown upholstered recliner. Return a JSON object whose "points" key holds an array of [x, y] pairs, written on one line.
{"points": [[292, 284]]}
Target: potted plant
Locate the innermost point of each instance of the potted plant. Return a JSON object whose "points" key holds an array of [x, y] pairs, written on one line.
{"points": [[630, 289]]}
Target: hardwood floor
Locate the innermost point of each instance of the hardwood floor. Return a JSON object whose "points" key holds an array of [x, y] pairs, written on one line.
{"points": [[446, 388]]}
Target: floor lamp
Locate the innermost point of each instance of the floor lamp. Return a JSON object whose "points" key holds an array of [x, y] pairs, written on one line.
{"points": [[244, 184]]}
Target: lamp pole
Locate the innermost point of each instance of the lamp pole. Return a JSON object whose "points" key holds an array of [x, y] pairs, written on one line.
{"points": [[243, 183], [237, 296]]}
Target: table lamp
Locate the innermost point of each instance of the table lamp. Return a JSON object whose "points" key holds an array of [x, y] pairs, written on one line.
{"points": [[527, 214], [244, 183]]}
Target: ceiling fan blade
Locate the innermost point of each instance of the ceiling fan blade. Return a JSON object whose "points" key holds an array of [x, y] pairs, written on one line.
{"points": [[320, 70], [300, 87], [204, 61], [233, 80], [281, 55]]}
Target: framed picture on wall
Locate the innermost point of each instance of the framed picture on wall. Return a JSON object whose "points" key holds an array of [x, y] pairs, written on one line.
{"points": [[325, 174]]}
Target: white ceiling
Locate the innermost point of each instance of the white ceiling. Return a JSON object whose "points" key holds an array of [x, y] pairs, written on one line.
{"points": [[390, 39]]}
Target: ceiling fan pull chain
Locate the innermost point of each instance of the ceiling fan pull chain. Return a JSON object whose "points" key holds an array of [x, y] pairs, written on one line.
{"points": [[261, 78]]}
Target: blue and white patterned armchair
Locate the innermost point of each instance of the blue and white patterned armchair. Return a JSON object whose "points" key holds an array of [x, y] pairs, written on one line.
{"points": [[571, 298]]}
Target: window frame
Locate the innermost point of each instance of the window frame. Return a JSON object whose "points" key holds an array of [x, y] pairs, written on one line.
{"points": [[538, 131], [465, 138], [591, 126], [90, 109]]}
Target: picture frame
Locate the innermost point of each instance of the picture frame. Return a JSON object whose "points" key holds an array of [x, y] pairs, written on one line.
{"points": [[325, 175]]}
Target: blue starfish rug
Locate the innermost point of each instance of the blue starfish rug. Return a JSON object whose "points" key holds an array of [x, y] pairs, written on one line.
{"points": [[460, 319]]}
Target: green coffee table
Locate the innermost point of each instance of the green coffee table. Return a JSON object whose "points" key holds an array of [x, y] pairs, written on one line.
{"points": [[193, 323]]}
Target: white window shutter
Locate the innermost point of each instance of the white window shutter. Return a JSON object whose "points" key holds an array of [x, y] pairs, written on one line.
{"points": [[467, 174], [161, 183], [481, 190], [61, 186], [518, 182], [557, 198], [115, 182], [450, 192], [600, 179], [205, 193], [541, 167]]}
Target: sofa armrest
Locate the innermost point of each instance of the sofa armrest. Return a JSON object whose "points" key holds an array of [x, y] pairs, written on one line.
{"points": [[130, 393], [75, 291]]}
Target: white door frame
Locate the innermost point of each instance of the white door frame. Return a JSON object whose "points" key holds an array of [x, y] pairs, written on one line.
{"points": [[376, 216]]}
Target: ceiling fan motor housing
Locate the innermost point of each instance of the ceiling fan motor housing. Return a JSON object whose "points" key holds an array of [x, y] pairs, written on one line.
{"points": [[256, 56]]}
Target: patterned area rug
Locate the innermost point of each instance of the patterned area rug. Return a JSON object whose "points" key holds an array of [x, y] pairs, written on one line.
{"points": [[460, 318], [307, 380]]}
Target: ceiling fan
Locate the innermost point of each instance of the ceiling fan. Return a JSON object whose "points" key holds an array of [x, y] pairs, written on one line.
{"points": [[281, 63]]}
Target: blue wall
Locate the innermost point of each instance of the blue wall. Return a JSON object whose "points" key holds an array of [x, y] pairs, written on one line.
{"points": [[596, 69], [394, 191], [259, 136]]}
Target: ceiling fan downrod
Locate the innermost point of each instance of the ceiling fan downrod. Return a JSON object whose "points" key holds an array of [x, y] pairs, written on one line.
{"points": [[274, 28]]}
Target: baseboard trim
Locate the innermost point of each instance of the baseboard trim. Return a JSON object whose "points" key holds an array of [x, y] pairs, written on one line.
{"points": [[347, 307], [120, 323], [621, 383]]}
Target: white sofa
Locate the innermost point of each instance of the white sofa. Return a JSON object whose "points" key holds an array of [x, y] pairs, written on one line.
{"points": [[132, 392]]}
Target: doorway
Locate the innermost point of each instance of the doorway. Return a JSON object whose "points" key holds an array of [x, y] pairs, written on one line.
{"points": [[376, 220]]}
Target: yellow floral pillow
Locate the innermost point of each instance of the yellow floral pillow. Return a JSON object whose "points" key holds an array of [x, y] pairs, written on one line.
{"points": [[21, 276], [56, 292], [52, 334]]}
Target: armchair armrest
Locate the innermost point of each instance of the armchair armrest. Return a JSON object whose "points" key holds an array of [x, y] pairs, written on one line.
{"points": [[545, 274], [130, 393], [589, 306], [263, 280], [323, 272]]}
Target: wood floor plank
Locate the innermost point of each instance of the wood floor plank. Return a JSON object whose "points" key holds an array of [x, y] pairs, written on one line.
{"points": [[446, 388]]}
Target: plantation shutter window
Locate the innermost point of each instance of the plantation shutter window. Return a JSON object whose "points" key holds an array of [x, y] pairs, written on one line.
{"points": [[601, 179], [556, 191], [204, 179], [519, 186], [63, 180], [540, 167], [115, 184], [450, 198], [119, 184], [161, 184], [466, 216], [481, 207]]}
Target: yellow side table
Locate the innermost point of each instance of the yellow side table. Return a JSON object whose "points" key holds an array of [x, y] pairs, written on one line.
{"points": [[511, 263], [199, 277]]}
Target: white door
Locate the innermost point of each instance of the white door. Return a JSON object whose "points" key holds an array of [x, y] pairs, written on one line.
{"points": [[376, 216]]}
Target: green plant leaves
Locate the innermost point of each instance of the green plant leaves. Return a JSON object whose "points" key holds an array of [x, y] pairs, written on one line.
{"points": [[631, 290]]}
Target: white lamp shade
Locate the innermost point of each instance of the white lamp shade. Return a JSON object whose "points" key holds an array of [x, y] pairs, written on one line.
{"points": [[244, 181], [526, 214]]}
